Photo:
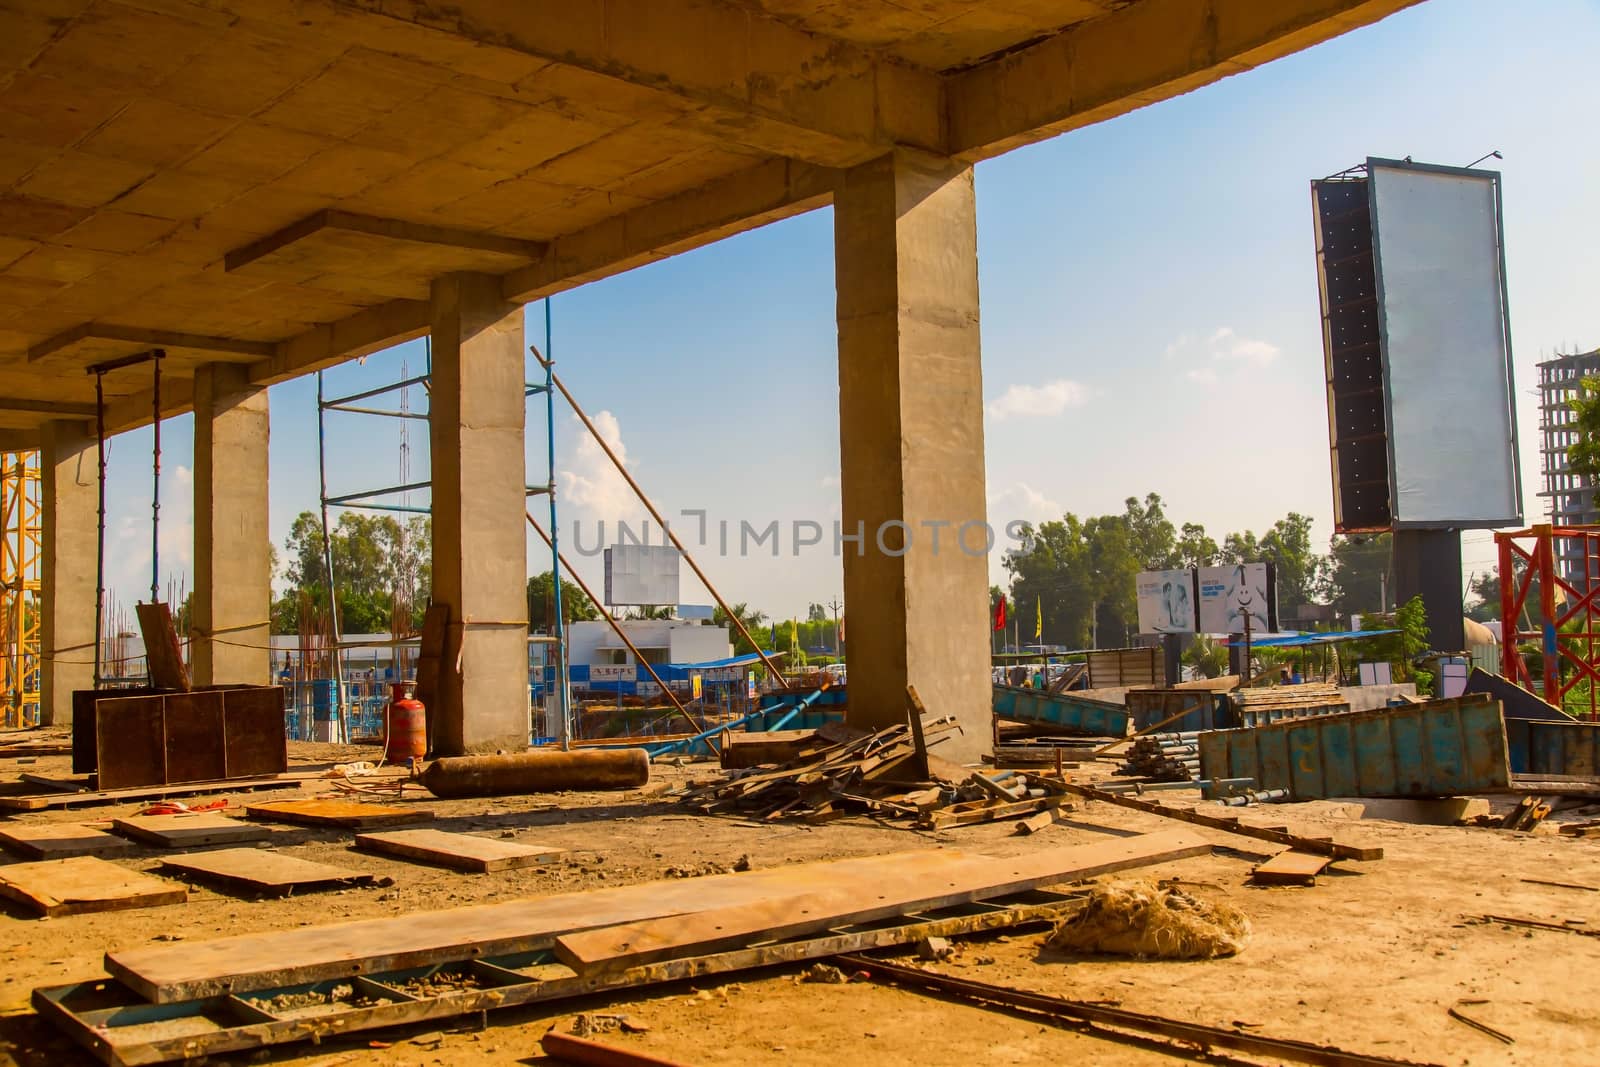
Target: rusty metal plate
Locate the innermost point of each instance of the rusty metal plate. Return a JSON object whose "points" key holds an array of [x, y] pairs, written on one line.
{"points": [[129, 744], [193, 737], [84, 757], [253, 729]]}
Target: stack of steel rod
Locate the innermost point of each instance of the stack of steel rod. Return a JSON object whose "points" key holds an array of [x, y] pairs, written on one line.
{"points": [[1164, 757]]}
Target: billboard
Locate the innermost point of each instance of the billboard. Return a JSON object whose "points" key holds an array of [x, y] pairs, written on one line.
{"points": [[1166, 602], [1228, 594], [1411, 270], [641, 574]]}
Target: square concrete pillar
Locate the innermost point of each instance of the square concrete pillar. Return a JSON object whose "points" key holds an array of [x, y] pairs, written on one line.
{"points": [[911, 444], [231, 624], [70, 498], [480, 565]]}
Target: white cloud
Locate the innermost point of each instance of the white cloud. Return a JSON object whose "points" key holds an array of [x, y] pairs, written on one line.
{"points": [[830, 481], [1020, 500], [1051, 398], [589, 484], [1224, 344]]}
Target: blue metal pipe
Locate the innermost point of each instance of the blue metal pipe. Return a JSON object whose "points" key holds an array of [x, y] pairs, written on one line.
{"points": [[563, 692]]}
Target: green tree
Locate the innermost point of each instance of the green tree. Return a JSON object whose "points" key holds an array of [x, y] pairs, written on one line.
{"points": [[1583, 455], [575, 605], [1483, 597], [1358, 567], [752, 620], [816, 613], [1195, 549]]}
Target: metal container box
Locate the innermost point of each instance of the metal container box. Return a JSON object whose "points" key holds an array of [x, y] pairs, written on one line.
{"points": [[1441, 748]]}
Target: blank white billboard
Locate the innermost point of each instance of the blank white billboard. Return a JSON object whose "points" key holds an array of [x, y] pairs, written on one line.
{"points": [[641, 574], [1440, 270]]}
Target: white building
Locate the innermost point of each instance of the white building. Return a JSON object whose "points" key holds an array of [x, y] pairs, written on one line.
{"points": [[659, 640]]}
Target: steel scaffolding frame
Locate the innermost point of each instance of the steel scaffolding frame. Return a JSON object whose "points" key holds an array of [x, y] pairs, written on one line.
{"points": [[21, 545], [1550, 576], [381, 499]]}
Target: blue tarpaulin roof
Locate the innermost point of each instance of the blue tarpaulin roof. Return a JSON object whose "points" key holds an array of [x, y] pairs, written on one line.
{"points": [[1302, 640]]}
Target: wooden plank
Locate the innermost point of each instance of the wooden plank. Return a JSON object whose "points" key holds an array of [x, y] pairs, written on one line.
{"points": [[162, 652], [152, 792], [1043, 821], [948, 817], [252, 729], [1322, 846], [263, 871], [193, 970], [58, 840], [84, 884], [189, 830], [129, 742], [350, 814], [15, 749], [466, 852], [892, 893], [1291, 868], [192, 736]]}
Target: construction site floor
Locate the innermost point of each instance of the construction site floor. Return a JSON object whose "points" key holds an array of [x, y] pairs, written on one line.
{"points": [[1370, 959]]}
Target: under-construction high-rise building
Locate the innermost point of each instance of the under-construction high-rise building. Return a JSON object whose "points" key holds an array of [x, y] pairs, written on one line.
{"points": [[1571, 497]]}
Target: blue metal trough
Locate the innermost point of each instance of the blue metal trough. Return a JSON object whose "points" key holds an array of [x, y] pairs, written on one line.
{"points": [[1070, 712], [1441, 748]]}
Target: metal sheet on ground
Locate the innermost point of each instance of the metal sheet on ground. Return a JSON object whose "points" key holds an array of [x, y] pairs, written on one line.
{"points": [[466, 852], [83, 884], [891, 893], [189, 830], [58, 840], [263, 871], [108, 1019], [349, 814], [191, 970]]}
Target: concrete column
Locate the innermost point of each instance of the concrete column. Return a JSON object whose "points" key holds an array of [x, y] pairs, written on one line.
{"points": [[911, 444], [68, 486], [231, 623], [480, 566]]}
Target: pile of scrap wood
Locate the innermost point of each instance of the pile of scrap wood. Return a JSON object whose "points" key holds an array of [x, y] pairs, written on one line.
{"points": [[1164, 757], [836, 771]]}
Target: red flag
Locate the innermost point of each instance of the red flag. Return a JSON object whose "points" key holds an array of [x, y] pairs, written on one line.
{"points": [[1000, 614]]}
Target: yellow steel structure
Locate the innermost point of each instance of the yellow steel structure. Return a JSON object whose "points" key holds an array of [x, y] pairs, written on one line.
{"points": [[19, 587]]}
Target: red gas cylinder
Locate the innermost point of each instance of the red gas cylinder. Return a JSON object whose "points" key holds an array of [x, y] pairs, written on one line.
{"points": [[408, 726]]}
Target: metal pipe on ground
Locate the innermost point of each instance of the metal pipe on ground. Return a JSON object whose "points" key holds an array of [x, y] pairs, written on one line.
{"points": [[537, 772]]}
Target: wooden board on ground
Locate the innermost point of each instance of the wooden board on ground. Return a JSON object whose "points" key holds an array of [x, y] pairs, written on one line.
{"points": [[465, 852], [84, 884], [58, 840], [350, 814], [162, 651], [891, 892], [190, 830], [14, 749], [153, 792], [263, 871], [1290, 868], [192, 970]]}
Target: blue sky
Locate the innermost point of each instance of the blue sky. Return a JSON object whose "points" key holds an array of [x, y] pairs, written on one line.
{"points": [[1150, 318]]}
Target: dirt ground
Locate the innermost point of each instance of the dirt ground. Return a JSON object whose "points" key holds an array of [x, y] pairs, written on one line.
{"points": [[1370, 959]]}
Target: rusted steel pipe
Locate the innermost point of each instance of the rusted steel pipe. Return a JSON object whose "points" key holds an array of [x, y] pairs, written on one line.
{"points": [[572, 1049], [537, 772]]}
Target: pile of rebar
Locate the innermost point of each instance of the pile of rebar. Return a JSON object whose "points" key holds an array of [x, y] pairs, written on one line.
{"points": [[1164, 757]]}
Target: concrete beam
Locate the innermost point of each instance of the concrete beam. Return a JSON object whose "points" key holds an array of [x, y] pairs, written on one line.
{"points": [[394, 229], [69, 488], [752, 78], [47, 407], [232, 570], [911, 443], [249, 351], [1147, 52], [747, 200], [361, 334], [19, 440], [480, 565]]}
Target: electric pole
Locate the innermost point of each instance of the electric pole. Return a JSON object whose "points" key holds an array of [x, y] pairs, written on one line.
{"points": [[835, 605]]}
